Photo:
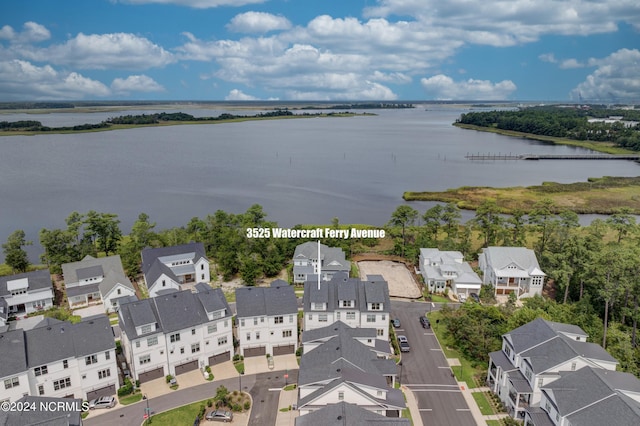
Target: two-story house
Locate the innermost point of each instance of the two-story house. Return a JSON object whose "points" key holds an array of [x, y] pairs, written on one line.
{"points": [[588, 397], [25, 293], [311, 339], [177, 332], [307, 263], [267, 320], [356, 303], [447, 269], [59, 359], [167, 268], [344, 369], [344, 413], [96, 280], [534, 355], [511, 270]]}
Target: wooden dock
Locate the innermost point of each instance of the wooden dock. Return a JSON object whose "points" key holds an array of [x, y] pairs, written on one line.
{"points": [[500, 156]]}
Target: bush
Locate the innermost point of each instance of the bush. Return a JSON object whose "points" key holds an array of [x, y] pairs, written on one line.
{"points": [[247, 405], [169, 377], [209, 403], [137, 383], [236, 407], [208, 369], [126, 389], [118, 347], [238, 357], [202, 410], [299, 351]]}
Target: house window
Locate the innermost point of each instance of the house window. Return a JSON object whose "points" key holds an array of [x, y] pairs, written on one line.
{"points": [[290, 319], [152, 341], [174, 338], [145, 329], [212, 328], [380, 332], [242, 322], [193, 331], [255, 321], [278, 320], [65, 364], [341, 396], [379, 393], [376, 306], [40, 371], [540, 381], [119, 291], [103, 374], [248, 336], [164, 284], [182, 350], [261, 320], [195, 348], [310, 317], [351, 315], [137, 343], [384, 318], [322, 317], [202, 268], [222, 341], [62, 383], [347, 303], [11, 383], [371, 318], [318, 306], [226, 323], [286, 333], [144, 359], [91, 359], [338, 316], [216, 315], [107, 355], [41, 390]]}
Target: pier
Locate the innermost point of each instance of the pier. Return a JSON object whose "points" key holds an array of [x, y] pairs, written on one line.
{"points": [[500, 156]]}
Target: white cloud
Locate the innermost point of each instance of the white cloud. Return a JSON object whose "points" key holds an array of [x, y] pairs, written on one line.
{"points": [[7, 33], [443, 87], [238, 95], [34, 32], [258, 22], [548, 57], [136, 83], [102, 51], [21, 80], [197, 4], [615, 79], [571, 63]]}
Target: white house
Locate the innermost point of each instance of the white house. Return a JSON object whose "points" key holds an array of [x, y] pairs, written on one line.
{"points": [[511, 270], [305, 262], [59, 359], [311, 339], [177, 332], [442, 269], [535, 355], [356, 303], [167, 268], [267, 320], [96, 280], [343, 369], [344, 413], [25, 293]]}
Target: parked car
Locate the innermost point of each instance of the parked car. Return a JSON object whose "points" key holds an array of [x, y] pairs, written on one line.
{"points": [[425, 322], [396, 323], [403, 343], [219, 416], [475, 297], [102, 402]]}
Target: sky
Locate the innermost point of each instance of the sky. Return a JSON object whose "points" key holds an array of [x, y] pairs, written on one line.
{"points": [[323, 50]]}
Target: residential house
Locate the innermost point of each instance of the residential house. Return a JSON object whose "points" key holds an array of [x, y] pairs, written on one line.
{"points": [[343, 369], [346, 414], [535, 355], [177, 332], [447, 269], [511, 270], [588, 397], [311, 339], [267, 320], [25, 293], [96, 280], [59, 359], [58, 412], [357, 303], [305, 262], [171, 267]]}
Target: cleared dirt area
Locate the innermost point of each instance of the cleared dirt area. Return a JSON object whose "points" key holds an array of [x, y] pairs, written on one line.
{"points": [[401, 282]]}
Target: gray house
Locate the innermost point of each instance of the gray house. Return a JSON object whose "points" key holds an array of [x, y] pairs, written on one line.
{"points": [[25, 293], [345, 414], [305, 262]]}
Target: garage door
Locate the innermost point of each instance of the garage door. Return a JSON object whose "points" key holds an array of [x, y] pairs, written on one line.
{"points": [[106, 391], [151, 375], [217, 359], [261, 350], [284, 350], [189, 366]]}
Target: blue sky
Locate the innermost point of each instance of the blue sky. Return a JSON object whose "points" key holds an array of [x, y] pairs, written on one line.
{"points": [[320, 50]]}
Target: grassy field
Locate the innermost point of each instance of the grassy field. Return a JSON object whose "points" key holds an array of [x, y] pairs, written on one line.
{"points": [[483, 404], [178, 416], [596, 196]]}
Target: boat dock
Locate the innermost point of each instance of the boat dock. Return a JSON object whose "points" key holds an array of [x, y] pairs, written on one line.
{"points": [[500, 156]]}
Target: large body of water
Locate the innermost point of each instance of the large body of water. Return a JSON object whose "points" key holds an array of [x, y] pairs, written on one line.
{"points": [[300, 171]]}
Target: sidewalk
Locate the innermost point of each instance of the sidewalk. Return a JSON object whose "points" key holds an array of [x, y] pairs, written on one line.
{"points": [[287, 399], [412, 405]]}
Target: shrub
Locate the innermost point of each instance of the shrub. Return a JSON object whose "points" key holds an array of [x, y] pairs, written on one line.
{"points": [[208, 369], [247, 405], [238, 357], [126, 389], [202, 410], [137, 383], [236, 407], [299, 351], [169, 377], [209, 403]]}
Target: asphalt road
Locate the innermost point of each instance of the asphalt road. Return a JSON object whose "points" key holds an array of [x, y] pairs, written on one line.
{"points": [[426, 372]]}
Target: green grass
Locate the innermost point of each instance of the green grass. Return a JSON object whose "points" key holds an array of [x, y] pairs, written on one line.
{"points": [[130, 399], [483, 404], [230, 296], [289, 387], [355, 272], [178, 416], [284, 410], [437, 298], [464, 372], [240, 367], [406, 413], [494, 423]]}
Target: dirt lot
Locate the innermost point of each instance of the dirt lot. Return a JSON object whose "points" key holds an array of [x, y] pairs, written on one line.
{"points": [[401, 282]]}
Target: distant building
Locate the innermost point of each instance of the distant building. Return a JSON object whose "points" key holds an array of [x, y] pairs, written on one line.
{"points": [[25, 293], [442, 269], [511, 270], [305, 262]]}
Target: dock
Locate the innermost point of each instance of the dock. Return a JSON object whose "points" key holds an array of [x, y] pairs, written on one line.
{"points": [[500, 156]]}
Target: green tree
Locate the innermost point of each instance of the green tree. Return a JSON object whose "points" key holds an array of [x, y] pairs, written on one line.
{"points": [[14, 254], [432, 220], [488, 221], [451, 219], [142, 231], [623, 222], [403, 216], [59, 247], [103, 229], [542, 217]]}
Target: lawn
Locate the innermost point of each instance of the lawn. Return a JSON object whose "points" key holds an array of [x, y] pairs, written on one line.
{"points": [[130, 399], [178, 416], [483, 404], [464, 372], [494, 423], [436, 298]]}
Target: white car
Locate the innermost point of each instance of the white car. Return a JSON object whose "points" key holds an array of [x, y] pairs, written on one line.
{"points": [[102, 402]]}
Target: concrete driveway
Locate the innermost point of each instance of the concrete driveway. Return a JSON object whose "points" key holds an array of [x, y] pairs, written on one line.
{"points": [[90, 311]]}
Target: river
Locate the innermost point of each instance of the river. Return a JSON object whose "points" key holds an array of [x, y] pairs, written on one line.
{"points": [[300, 171]]}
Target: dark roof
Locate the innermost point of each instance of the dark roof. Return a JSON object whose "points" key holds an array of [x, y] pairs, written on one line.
{"points": [[539, 417], [149, 255], [519, 382], [501, 360], [37, 280], [331, 292], [335, 329], [347, 291], [213, 300], [137, 314], [83, 289], [90, 267], [42, 417], [561, 349], [89, 272], [618, 410], [179, 310], [345, 414], [269, 301], [12, 353], [156, 270], [537, 331]]}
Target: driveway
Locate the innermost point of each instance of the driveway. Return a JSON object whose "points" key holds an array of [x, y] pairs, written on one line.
{"points": [[90, 311], [426, 372]]}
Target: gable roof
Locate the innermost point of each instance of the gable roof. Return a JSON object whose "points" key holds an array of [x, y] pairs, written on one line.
{"points": [[374, 290], [37, 280], [150, 255], [258, 301], [537, 331], [12, 353], [501, 257], [90, 267], [111, 279], [333, 258], [179, 310], [335, 329], [345, 414]]}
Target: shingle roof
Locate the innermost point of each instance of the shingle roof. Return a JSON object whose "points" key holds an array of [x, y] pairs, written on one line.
{"points": [[345, 414], [501, 257], [179, 310], [37, 280], [258, 301], [149, 255], [111, 279], [374, 290], [335, 329], [560, 349], [213, 299], [12, 353], [90, 267], [333, 258], [83, 289], [537, 331]]}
